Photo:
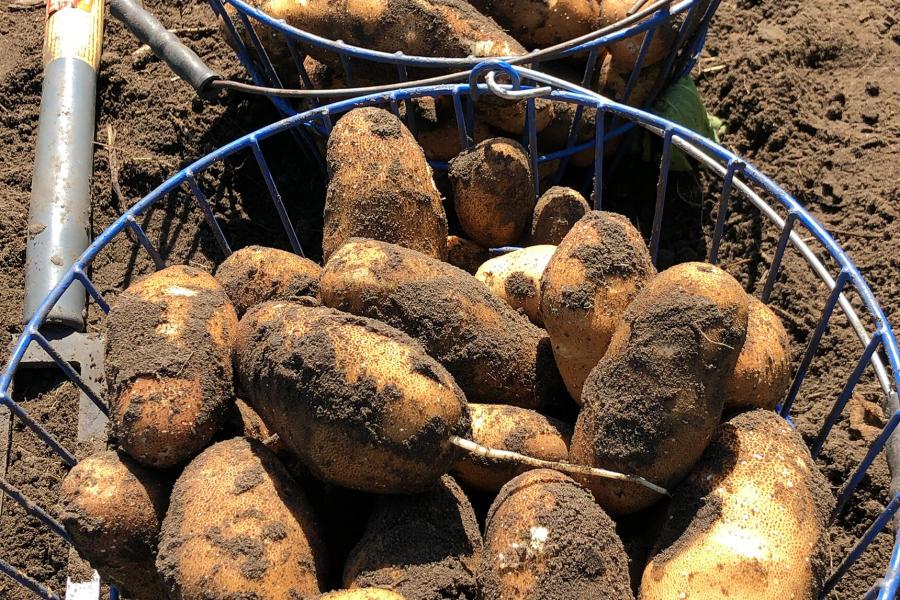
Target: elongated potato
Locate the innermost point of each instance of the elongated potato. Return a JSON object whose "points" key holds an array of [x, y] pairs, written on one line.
{"points": [[465, 254], [763, 371], [516, 278], [239, 527], [494, 354], [516, 430], [421, 546], [615, 78], [653, 402], [256, 274], [359, 402], [168, 365], [626, 50], [547, 538], [597, 270], [492, 191], [381, 186], [362, 594], [112, 509], [555, 213], [542, 23], [750, 522]]}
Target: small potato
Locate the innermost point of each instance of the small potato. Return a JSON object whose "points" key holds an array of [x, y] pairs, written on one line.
{"points": [[597, 270], [256, 274], [516, 430], [762, 374], [423, 546], [542, 23], [750, 522], [555, 214], [242, 420], [168, 364], [516, 278], [112, 509], [239, 527], [653, 402], [547, 538], [466, 255], [358, 402], [381, 186], [492, 191], [362, 594], [626, 50]]}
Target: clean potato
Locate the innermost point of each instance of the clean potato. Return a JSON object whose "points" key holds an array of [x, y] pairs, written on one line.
{"points": [[596, 272], [750, 522], [653, 402], [542, 23], [495, 354], [168, 364], [465, 254], [238, 526], [516, 278], [555, 213], [358, 402]]}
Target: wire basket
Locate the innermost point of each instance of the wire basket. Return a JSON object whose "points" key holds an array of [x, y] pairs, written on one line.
{"points": [[797, 231]]}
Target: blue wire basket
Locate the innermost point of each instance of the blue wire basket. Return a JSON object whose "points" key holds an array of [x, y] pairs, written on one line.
{"points": [[799, 232]]}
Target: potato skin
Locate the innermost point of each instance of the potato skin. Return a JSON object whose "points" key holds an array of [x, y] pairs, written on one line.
{"points": [[492, 191], [494, 354], [517, 430], [626, 50], [421, 546], [542, 23], [755, 466], [168, 364], [653, 402], [465, 254], [256, 274], [762, 374], [555, 213], [597, 270], [358, 402], [516, 278], [547, 538], [112, 509], [381, 186], [238, 526]]}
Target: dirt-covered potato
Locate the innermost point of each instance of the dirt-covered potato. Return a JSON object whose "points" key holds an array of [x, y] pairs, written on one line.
{"points": [[597, 270], [750, 522], [256, 274], [238, 526], [465, 254], [762, 374], [112, 509], [555, 136], [494, 354], [510, 116], [380, 186], [422, 546], [653, 402], [542, 23], [613, 82], [547, 538], [437, 131], [242, 420], [168, 364], [516, 278], [362, 594], [626, 50], [358, 402], [492, 191], [516, 430], [555, 213]]}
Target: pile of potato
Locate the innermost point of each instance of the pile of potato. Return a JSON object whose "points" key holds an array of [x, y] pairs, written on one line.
{"points": [[368, 429]]}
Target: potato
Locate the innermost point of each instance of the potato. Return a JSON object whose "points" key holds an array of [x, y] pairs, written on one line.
{"points": [[762, 374], [615, 83], [513, 429], [547, 538], [168, 365], [437, 131], [362, 594], [492, 191], [510, 116], [256, 274], [750, 522], [466, 255], [516, 278], [555, 214], [112, 509], [381, 186], [422, 546], [358, 402], [494, 354], [242, 420], [239, 527], [542, 23], [597, 270], [626, 51], [653, 402]]}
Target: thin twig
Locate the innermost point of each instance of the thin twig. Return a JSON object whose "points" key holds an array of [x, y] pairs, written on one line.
{"points": [[714, 342], [506, 455], [862, 234], [789, 316], [112, 158]]}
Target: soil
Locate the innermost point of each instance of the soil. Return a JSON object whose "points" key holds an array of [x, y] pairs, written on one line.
{"points": [[809, 93]]}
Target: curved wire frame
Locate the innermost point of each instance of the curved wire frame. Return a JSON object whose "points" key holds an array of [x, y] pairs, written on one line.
{"points": [[737, 177]]}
